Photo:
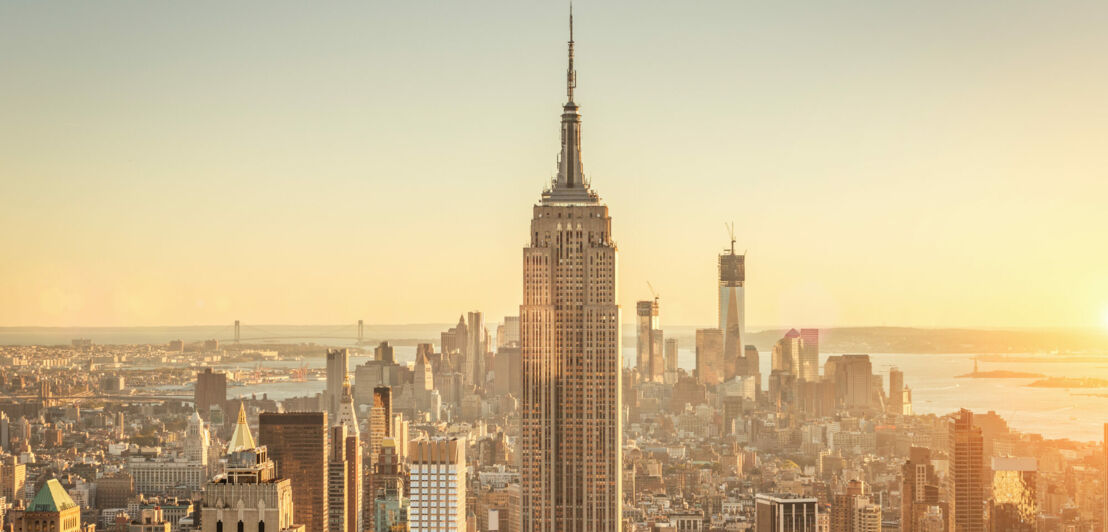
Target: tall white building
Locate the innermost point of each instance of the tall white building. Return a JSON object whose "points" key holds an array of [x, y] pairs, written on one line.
{"points": [[571, 437], [438, 486], [197, 440]]}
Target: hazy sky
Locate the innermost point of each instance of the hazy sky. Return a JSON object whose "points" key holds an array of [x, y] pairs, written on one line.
{"points": [[885, 163]]}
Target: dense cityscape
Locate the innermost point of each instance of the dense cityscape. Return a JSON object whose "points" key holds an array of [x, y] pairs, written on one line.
{"points": [[527, 422]]}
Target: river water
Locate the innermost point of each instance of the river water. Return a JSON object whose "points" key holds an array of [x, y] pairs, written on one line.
{"points": [[1052, 412]]}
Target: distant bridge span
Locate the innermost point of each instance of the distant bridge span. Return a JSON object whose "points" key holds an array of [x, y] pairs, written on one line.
{"points": [[345, 332]]}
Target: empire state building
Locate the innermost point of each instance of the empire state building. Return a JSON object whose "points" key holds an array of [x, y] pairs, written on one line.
{"points": [[570, 331]]}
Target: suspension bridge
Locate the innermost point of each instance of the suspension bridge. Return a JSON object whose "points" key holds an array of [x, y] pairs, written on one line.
{"points": [[255, 333]]}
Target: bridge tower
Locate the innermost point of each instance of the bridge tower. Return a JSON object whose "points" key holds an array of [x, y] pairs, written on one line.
{"points": [[236, 331], [361, 331]]}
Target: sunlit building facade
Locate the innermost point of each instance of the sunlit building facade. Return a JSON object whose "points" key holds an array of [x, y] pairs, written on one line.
{"points": [[1014, 506], [648, 349], [438, 477], [732, 302], [966, 471], [571, 437]]}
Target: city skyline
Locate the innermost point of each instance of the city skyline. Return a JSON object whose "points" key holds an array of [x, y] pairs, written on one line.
{"points": [[561, 413], [183, 169]]}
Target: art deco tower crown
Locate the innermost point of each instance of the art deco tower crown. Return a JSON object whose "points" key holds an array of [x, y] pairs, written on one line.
{"points": [[570, 185]]}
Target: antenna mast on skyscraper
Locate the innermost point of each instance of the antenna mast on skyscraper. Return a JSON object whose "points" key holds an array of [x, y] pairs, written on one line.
{"points": [[571, 73]]}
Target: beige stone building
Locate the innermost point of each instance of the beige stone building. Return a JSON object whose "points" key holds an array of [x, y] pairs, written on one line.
{"points": [[571, 440], [248, 497]]}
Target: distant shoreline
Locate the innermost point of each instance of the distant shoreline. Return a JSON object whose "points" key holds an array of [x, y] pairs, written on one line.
{"points": [[990, 345], [1069, 382], [1000, 374]]}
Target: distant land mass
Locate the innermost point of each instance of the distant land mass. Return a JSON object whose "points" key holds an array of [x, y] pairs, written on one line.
{"points": [[990, 342], [1000, 374], [1091, 341], [1069, 382]]}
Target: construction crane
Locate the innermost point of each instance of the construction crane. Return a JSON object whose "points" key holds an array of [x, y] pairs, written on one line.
{"points": [[731, 231], [653, 292]]}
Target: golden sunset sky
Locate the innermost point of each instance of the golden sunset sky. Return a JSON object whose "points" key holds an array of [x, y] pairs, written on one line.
{"points": [[884, 163]]}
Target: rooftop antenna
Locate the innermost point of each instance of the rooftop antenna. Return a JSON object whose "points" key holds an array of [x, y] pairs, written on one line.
{"points": [[571, 74]]}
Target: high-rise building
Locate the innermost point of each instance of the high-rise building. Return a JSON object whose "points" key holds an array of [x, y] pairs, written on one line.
{"points": [[380, 429], [571, 431], [809, 355], [438, 475], [1104, 474], [919, 491], [13, 478], [896, 391], [649, 342], [384, 353], [388, 496], [1014, 506], [297, 442], [381, 371], [506, 369], [112, 491], [786, 353], [709, 356], [399, 432], [853, 511], [782, 390], [477, 341], [671, 361], [338, 363], [867, 516], [350, 450], [5, 433], [453, 340], [211, 390], [853, 378], [338, 517], [967, 474], [785, 513], [52, 510], [754, 368], [423, 374], [197, 440], [248, 496], [507, 334], [732, 301], [380, 419]]}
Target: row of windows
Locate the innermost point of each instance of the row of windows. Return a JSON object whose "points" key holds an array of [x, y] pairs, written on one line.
{"points": [[241, 526]]}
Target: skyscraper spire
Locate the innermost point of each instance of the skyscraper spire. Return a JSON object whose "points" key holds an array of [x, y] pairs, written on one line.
{"points": [[570, 185], [571, 74]]}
